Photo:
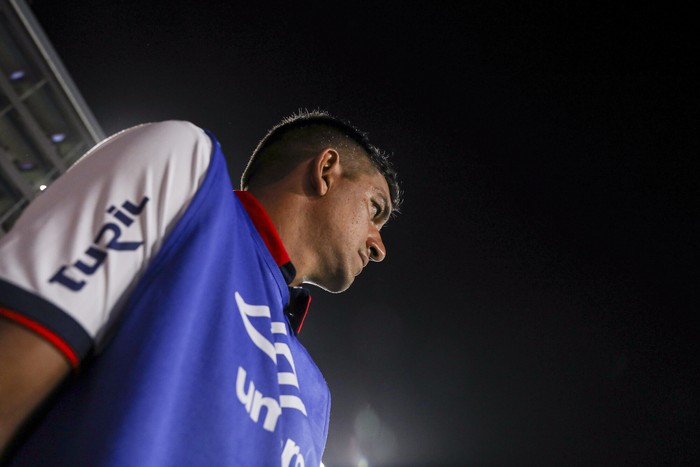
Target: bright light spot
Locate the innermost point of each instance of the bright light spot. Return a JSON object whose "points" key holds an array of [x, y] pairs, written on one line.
{"points": [[42, 187], [58, 137], [367, 424], [15, 75], [375, 440], [363, 463]]}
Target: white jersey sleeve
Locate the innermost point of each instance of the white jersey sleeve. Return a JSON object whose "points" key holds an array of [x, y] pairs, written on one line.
{"points": [[82, 244]]}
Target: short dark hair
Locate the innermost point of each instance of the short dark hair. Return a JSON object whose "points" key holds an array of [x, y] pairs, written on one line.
{"points": [[300, 135]]}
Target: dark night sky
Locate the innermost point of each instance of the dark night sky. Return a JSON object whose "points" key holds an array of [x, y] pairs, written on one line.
{"points": [[535, 306]]}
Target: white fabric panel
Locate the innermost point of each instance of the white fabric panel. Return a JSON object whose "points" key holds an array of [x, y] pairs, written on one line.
{"points": [[165, 162]]}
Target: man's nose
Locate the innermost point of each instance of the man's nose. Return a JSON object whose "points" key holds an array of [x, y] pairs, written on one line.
{"points": [[377, 250]]}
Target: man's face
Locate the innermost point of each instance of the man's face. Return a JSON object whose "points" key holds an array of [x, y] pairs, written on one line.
{"points": [[347, 235]]}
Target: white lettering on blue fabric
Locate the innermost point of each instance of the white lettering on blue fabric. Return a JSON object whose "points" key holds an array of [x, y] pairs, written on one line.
{"points": [[291, 455], [273, 350], [254, 401], [108, 239]]}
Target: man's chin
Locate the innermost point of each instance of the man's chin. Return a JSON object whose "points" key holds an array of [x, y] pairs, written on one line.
{"points": [[337, 286]]}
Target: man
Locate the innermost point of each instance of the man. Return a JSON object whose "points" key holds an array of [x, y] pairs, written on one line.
{"points": [[177, 302]]}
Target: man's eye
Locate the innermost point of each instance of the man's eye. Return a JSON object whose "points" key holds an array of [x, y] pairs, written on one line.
{"points": [[376, 210]]}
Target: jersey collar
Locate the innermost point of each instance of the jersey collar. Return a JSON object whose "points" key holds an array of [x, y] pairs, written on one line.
{"points": [[299, 297]]}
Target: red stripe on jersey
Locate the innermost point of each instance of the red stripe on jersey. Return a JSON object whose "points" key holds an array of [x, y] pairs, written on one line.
{"points": [[57, 342], [264, 226], [303, 316]]}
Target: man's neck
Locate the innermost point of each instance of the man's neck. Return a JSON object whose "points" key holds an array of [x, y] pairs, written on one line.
{"points": [[287, 211]]}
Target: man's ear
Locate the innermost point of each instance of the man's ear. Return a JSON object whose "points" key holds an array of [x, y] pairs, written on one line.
{"points": [[325, 168]]}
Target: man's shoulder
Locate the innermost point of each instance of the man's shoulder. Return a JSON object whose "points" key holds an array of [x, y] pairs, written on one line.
{"points": [[171, 133]]}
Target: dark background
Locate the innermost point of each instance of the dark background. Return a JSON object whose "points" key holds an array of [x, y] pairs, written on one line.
{"points": [[537, 301]]}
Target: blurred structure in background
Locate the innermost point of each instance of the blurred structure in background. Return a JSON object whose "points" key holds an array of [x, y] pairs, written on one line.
{"points": [[45, 125]]}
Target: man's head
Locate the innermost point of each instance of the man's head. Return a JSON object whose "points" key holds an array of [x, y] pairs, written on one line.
{"points": [[302, 136], [328, 191]]}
